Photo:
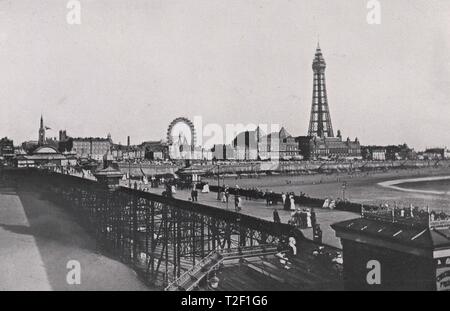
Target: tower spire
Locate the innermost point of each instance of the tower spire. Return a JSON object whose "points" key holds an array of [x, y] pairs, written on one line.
{"points": [[41, 139], [320, 121]]}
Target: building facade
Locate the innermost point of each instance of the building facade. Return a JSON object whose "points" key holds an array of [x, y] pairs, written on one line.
{"points": [[125, 153], [45, 156], [91, 147], [378, 155], [436, 154], [156, 150], [223, 152], [246, 145], [373, 153], [6, 151], [329, 148], [279, 146], [391, 153]]}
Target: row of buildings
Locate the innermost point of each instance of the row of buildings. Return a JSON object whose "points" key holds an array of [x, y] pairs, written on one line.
{"points": [[255, 145]]}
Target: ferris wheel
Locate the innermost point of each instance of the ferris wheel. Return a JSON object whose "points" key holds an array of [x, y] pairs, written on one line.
{"points": [[178, 131]]}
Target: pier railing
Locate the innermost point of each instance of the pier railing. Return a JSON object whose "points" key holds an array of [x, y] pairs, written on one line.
{"points": [[302, 200], [411, 216]]}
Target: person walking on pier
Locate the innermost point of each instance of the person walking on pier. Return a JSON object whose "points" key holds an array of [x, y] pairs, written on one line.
{"points": [[168, 192], [292, 245], [227, 194], [292, 201], [313, 218], [308, 219], [283, 198], [222, 195], [194, 195], [276, 216], [317, 235], [287, 203], [237, 201]]}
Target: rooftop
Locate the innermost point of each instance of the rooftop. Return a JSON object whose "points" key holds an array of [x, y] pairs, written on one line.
{"points": [[391, 232], [410, 227], [90, 138]]}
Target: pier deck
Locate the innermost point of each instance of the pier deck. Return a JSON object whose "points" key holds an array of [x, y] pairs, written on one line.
{"points": [[258, 208], [38, 238]]}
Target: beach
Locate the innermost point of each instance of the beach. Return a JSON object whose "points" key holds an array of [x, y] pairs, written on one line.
{"points": [[360, 187]]}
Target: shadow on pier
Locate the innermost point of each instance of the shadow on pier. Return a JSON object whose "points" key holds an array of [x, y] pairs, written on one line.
{"points": [[59, 238]]}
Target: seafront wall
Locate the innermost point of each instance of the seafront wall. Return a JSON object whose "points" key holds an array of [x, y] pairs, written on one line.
{"points": [[299, 167]]}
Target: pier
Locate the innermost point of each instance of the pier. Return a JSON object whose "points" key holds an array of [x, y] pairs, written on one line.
{"points": [[158, 239]]}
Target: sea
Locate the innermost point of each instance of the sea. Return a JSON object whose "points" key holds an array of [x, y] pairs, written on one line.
{"points": [[441, 185]]}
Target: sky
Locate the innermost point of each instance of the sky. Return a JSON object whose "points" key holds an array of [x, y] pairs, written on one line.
{"points": [[131, 67]]}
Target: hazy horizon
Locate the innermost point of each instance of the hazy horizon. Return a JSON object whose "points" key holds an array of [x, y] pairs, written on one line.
{"points": [[130, 68]]}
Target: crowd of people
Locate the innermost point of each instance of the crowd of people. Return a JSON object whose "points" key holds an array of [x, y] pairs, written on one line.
{"points": [[329, 203], [303, 218], [411, 213], [224, 197]]}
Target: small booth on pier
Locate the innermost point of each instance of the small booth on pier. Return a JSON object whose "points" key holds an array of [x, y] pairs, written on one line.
{"points": [[109, 176], [191, 174], [396, 249]]}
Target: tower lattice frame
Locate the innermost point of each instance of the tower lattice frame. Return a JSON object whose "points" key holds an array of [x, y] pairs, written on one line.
{"points": [[320, 121]]}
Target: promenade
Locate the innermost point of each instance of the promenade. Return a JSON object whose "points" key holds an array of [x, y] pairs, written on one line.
{"points": [[37, 239]]}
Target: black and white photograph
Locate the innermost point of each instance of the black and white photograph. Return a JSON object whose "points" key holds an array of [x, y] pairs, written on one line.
{"points": [[215, 146]]}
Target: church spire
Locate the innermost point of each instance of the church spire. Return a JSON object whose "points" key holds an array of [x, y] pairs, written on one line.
{"points": [[41, 139]]}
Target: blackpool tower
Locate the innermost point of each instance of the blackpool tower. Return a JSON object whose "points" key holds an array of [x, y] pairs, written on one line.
{"points": [[320, 122]]}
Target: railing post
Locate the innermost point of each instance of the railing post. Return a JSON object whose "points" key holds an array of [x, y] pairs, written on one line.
{"points": [[135, 228], [178, 243], [193, 238], [202, 235], [173, 233], [108, 180]]}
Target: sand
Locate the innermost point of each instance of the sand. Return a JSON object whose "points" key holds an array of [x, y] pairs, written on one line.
{"points": [[361, 187]]}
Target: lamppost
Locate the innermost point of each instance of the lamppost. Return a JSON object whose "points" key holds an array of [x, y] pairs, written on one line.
{"points": [[344, 186], [129, 172], [218, 181]]}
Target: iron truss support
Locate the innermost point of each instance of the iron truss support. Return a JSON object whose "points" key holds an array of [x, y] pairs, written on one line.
{"points": [[159, 237]]}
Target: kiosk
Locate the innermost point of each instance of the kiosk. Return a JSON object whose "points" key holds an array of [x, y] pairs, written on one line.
{"points": [[396, 249]]}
